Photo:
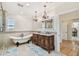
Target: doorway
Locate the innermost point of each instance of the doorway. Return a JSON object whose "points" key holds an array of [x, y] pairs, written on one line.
{"points": [[69, 46]]}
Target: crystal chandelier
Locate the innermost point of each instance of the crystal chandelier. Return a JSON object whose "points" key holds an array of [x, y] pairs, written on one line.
{"points": [[44, 16], [35, 17]]}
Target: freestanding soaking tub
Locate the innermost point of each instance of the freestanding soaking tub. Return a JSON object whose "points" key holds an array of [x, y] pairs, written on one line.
{"points": [[20, 39]]}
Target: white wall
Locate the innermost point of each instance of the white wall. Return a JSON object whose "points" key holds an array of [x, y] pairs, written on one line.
{"points": [[37, 26], [22, 22], [69, 31]]}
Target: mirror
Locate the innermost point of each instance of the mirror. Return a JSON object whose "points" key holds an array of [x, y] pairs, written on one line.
{"points": [[47, 25]]}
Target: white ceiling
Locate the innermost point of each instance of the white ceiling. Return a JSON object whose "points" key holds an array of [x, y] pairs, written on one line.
{"points": [[13, 8]]}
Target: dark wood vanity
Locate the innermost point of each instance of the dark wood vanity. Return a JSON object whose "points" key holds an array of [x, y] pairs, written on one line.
{"points": [[44, 41]]}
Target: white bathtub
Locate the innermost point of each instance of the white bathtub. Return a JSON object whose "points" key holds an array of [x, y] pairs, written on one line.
{"points": [[19, 39]]}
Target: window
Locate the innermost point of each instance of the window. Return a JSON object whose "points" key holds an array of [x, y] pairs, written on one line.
{"points": [[10, 24]]}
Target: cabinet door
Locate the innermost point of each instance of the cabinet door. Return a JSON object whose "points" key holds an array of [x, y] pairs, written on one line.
{"points": [[46, 42], [39, 39], [42, 41], [52, 42], [35, 38]]}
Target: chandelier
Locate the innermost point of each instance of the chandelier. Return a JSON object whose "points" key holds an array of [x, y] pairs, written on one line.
{"points": [[44, 16], [35, 17]]}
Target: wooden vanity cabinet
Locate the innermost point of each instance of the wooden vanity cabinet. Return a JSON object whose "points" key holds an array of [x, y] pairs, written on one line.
{"points": [[46, 42], [35, 39]]}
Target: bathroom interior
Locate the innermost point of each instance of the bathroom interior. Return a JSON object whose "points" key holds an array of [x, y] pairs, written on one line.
{"points": [[38, 29]]}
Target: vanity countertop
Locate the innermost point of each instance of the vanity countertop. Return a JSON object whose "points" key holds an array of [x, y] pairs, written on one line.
{"points": [[46, 33]]}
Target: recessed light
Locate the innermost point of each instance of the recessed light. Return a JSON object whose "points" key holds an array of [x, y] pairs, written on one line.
{"points": [[27, 4]]}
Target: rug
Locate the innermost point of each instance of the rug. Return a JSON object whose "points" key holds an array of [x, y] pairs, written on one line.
{"points": [[41, 52], [11, 52], [34, 50]]}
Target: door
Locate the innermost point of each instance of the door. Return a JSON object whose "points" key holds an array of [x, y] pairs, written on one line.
{"points": [[64, 31]]}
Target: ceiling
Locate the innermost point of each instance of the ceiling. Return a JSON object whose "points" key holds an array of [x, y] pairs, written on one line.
{"points": [[14, 9]]}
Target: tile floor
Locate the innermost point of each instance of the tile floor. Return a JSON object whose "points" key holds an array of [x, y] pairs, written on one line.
{"points": [[29, 50]]}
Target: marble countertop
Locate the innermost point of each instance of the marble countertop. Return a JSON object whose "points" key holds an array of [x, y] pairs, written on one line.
{"points": [[36, 32], [46, 33]]}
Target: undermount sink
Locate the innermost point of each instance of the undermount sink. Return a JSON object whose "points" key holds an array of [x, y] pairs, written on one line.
{"points": [[46, 32]]}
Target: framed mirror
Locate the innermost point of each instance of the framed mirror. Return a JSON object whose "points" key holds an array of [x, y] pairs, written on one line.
{"points": [[47, 25]]}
